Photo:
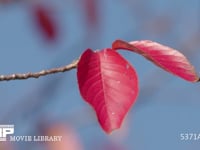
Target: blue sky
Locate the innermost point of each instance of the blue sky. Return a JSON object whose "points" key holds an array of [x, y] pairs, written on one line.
{"points": [[166, 107]]}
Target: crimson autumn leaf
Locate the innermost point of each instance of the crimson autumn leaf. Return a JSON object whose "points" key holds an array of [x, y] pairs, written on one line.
{"points": [[109, 84], [165, 57]]}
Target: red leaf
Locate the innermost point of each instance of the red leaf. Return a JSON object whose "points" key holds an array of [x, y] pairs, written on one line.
{"points": [[68, 138], [109, 84], [45, 21], [165, 57]]}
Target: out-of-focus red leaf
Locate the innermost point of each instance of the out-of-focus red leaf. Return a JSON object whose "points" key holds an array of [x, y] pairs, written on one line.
{"points": [[45, 21], [165, 57], [6, 145], [69, 139], [109, 84], [5, 1], [91, 12]]}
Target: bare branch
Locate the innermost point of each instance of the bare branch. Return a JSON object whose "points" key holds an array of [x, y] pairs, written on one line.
{"points": [[39, 74]]}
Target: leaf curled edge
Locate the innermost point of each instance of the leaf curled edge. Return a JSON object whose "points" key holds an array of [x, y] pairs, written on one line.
{"points": [[109, 84], [165, 57]]}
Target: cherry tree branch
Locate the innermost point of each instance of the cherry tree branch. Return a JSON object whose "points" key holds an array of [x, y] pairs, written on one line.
{"points": [[39, 74]]}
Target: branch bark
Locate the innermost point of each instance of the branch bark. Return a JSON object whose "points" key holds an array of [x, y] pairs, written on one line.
{"points": [[39, 74]]}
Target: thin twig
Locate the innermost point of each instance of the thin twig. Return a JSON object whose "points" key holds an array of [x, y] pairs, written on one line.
{"points": [[39, 74]]}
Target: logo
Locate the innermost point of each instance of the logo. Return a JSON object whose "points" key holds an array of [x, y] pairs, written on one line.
{"points": [[6, 130]]}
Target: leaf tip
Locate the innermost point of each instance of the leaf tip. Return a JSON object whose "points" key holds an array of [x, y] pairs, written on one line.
{"points": [[195, 80], [111, 130], [115, 44]]}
